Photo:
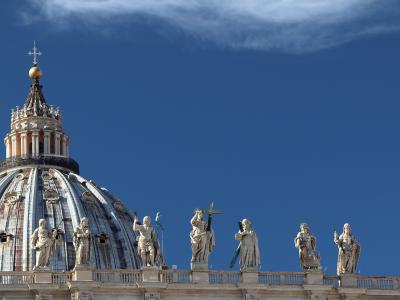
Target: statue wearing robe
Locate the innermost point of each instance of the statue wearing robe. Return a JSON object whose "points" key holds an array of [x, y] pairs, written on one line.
{"points": [[202, 239], [249, 250], [349, 251], [42, 241], [306, 243], [82, 243]]}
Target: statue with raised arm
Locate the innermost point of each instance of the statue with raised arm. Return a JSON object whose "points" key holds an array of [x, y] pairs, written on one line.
{"points": [[306, 243], [202, 239], [349, 250], [148, 244], [82, 243], [42, 241], [249, 251]]}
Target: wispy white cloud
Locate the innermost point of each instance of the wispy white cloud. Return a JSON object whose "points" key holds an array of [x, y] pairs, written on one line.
{"points": [[289, 25]]}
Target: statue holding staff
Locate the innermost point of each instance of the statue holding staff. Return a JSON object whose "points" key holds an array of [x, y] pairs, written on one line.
{"points": [[42, 241], [82, 243], [306, 243], [202, 237], [148, 244], [349, 250], [248, 248]]}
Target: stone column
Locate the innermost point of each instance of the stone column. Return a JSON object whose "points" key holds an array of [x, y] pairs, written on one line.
{"points": [[64, 145], [14, 145], [7, 143], [24, 144], [57, 138], [35, 143], [46, 143]]}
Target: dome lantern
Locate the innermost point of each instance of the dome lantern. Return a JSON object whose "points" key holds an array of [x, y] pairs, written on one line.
{"points": [[37, 134]]}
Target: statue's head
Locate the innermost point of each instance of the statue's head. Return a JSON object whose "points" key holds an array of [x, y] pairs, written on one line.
{"points": [[199, 213], [147, 220], [246, 224], [304, 228], [84, 222], [347, 228], [42, 223]]}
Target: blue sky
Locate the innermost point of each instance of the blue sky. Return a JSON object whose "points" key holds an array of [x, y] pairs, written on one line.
{"points": [[279, 113]]}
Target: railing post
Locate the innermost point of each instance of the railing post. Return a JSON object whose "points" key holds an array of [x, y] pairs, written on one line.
{"points": [[250, 276], [348, 280], [82, 274], [315, 277], [200, 273], [151, 274], [43, 277], [282, 279]]}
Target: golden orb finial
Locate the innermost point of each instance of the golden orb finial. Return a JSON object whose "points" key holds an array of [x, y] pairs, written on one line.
{"points": [[35, 72]]}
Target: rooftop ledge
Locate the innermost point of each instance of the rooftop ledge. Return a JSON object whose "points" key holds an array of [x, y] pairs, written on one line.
{"points": [[43, 160], [263, 280]]}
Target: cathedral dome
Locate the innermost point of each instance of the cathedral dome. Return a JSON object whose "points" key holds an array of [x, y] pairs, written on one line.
{"points": [[39, 180]]}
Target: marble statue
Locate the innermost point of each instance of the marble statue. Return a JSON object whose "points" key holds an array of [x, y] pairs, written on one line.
{"points": [[249, 251], [43, 241], [305, 242], [202, 238], [349, 250], [148, 243], [82, 243]]}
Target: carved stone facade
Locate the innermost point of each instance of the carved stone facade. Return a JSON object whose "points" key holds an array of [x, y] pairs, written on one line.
{"points": [[179, 284]]}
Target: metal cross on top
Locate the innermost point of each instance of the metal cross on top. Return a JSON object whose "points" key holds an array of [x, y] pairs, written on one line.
{"points": [[35, 52]]}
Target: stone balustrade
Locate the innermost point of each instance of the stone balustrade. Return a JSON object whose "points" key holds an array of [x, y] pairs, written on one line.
{"points": [[158, 284], [215, 278]]}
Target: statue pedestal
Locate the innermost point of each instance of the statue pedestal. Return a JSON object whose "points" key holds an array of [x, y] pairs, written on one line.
{"points": [[196, 266], [200, 277], [42, 277], [314, 277], [81, 273], [199, 272], [150, 274], [250, 276], [348, 280]]}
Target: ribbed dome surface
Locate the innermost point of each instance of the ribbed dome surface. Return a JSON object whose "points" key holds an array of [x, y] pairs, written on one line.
{"points": [[30, 193]]}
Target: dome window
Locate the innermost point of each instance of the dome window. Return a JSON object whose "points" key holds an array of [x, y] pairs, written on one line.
{"points": [[5, 237], [59, 234], [88, 197], [119, 206], [102, 238]]}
